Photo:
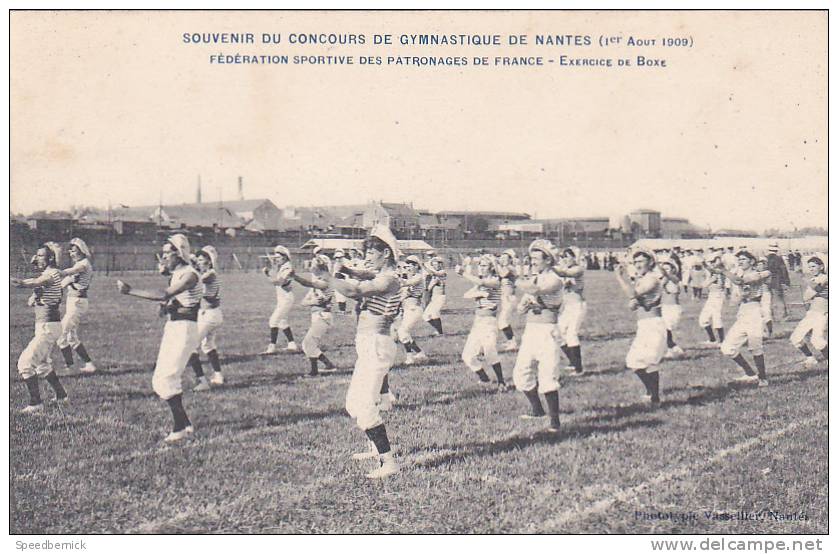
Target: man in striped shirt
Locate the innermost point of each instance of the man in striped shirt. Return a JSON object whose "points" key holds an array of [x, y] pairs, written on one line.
{"points": [[77, 282], [483, 337], [436, 277], [181, 301], [210, 319], [574, 306], [413, 286], [748, 326], [648, 348], [35, 360], [537, 364], [279, 272], [507, 273], [377, 291], [320, 299], [816, 319]]}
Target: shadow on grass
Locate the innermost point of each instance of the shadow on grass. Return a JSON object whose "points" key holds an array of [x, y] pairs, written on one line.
{"points": [[618, 368], [279, 420], [607, 336], [521, 442], [702, 395]]}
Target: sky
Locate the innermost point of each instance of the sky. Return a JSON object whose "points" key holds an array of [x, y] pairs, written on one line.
{"points": [[114, 107]]}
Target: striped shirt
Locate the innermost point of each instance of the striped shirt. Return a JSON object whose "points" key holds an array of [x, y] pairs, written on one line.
{"points": [[820, 284], [386, 305], [81, 280], [319, 300], [184, 305], [415, 290], [212, 289], [492, 299], [650, 299], [752, 291], [715, 283], [551, 300], [670, 293], [574, 286], [507, 282], [281, 275], [48, 297], [436, 284]]}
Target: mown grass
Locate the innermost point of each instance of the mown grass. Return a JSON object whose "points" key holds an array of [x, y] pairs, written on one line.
{"points": [[272, 448]]}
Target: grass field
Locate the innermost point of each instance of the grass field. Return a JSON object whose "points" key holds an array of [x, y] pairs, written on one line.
{"points": [[272, 447]]}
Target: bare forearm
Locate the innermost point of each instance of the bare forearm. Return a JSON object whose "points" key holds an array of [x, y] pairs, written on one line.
{"points": [[155, 295]]}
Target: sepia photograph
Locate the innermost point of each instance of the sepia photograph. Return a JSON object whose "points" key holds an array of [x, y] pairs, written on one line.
{"points": [[380, 272]]}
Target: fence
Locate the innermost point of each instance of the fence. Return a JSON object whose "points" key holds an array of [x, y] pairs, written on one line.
{"points": [[243, 255]]}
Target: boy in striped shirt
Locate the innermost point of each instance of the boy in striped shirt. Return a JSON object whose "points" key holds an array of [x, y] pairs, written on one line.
{"points": [[320, 298], [436, 277], [482, 339], [35, 360], [77, 282], [377, 292], [413, 286], [210, 319], [180, 301]]}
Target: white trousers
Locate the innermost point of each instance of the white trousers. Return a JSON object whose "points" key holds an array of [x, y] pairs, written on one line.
{"points": [[376, 355], [76, 308], [434, 308], [746, 329], [209, 320], [482, 339], [35, 359], [815, 323], [765, 307], [711, 312], [506, 310], [649, 344], [538, 359], [321, 322], [671, 314], [180, 339], [411, 316], [570, 320], [284, 303]]}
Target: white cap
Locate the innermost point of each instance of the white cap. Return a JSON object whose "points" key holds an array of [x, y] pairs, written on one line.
{"points": [[181, 244], [279, 249], [55, 248], [545, 246], [81, 245], [383, 233], [413, 259], [212, 253], [819, 256]]}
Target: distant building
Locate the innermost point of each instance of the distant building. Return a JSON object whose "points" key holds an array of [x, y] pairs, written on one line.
{"points": [[734, 233], [648, 222], [57, 227], [434, 229], [480, 222], [680, 228], [402, 219]]}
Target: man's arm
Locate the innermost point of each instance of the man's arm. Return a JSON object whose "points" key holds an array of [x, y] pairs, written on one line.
{"points": [[160, 295], [312, 283], [358, 273], [78, 267], [31, 283], [564, 271], [381, 284], [545, 284]]}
